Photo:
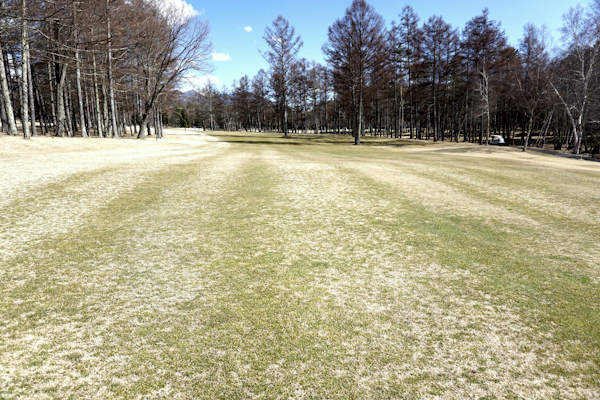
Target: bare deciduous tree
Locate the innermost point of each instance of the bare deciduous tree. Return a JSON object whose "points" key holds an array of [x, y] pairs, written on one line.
{"points": [[531, 78], [573, 85], [171, 44], [284, 46], [354, 50]]}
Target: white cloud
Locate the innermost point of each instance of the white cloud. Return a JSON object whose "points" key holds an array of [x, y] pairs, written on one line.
{"points": [[195, 81], [179, 6], [221, 56], [248, 29]]}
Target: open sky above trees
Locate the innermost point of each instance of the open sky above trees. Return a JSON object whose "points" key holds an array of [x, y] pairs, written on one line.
{"points": [[236, 50]]}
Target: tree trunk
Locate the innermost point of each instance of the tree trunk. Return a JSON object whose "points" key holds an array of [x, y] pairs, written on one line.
{"points": [[44, 123], [360, 118], [160, 125], [31, 97], [88, 115], [24, 74], [111, 90], [84, 132], [285, 117], [107, 124], [70, 111], [61, 123], [578, 135], [12, 125], [143, 127], [3, 119], [529, 127], [97, 99], [51, 81]]}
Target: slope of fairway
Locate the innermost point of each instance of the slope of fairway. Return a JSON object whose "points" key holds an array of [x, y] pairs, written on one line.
{"points": [[233, 266]]}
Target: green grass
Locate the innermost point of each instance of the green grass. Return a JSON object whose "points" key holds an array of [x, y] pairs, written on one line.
{"points": [[306, 268]]}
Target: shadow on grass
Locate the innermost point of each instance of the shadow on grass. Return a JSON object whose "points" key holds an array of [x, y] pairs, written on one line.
{"points": [[303, 140]]}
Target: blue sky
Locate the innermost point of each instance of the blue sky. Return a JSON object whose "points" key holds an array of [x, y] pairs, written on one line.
{"points": [[237, 49]]}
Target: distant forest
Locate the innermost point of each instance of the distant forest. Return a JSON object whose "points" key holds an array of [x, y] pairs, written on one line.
{"points": [[421, 80], [112, 68]]}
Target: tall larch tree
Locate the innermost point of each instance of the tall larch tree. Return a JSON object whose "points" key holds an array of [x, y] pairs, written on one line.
{"points": [[484, 42], [355, 50], [283, 47]]}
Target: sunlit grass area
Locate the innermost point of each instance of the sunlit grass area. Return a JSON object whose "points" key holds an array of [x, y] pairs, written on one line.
{"points": [[253, 266]]}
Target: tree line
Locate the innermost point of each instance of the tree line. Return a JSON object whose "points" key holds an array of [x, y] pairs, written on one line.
{"points": [[420, 80], [111, 68], [93, 67]]}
